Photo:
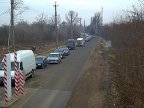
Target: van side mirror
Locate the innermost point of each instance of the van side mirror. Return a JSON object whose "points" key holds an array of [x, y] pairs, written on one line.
{"points": [[21, 66]]}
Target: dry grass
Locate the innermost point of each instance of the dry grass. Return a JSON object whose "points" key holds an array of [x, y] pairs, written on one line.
{"points": [[127, 78], [41, 48]]}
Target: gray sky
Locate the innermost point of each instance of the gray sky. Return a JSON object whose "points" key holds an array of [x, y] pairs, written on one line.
{"points": [[85, 8]]}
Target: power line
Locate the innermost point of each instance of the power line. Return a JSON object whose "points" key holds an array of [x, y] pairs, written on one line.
{"points": [[4, 2], [4, 12]]}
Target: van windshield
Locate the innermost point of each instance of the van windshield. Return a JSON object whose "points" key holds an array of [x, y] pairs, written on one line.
{"points": [[70, 43], [12, 66], [53, 55], [79, 41]]}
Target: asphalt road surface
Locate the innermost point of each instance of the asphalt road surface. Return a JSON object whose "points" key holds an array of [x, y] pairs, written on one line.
{"points": [[52, 86]]}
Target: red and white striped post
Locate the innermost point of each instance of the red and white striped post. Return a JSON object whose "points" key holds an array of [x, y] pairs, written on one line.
{"points": [[21, 82], [16, 77], [7, 78]]}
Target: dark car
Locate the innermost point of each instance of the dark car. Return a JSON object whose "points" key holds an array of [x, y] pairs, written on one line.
{"points": [[70, 44], [61, 51], [67, 51], [41, 62]]}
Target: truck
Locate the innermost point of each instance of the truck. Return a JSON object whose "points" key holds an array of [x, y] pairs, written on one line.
{"points": [[25, 62], [70, 44], [80, 42]]}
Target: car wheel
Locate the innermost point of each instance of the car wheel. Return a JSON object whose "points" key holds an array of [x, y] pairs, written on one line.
{"points": [[32, 73], [42, 66], [1, 83], [13, 83]]}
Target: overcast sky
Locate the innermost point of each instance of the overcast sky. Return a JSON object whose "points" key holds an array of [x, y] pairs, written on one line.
{"points": [[85, 8]]}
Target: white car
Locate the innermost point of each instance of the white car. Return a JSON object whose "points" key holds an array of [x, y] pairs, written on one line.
{"points": [[54, 58]]}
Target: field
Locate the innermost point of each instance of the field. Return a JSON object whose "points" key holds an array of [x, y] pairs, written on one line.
{"points": [[126, 77], [40, 48]]}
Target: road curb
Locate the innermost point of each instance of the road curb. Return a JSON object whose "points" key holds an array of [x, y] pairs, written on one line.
{"points": [[12, 101], [15, 99]]}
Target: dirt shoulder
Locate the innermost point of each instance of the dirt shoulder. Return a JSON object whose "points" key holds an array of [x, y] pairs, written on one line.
{"points": [[91, 88]]}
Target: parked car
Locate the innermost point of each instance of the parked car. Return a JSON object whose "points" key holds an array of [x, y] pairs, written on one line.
{"points": [[80, 42], [54, 58], [88, 38], [70, 44], [61, 51], [93, 36], [67, 51], [41, 62], [25, 62]]}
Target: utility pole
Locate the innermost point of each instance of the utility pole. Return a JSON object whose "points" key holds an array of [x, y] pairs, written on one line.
{"points": [[80, 26], [80, 21], [56, 30], [12, 26], [71, 26], [101, 16], [84, 27], [101, 23], [91, 20]]}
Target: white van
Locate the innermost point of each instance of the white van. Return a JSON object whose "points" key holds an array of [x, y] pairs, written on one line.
{"points": [[25, 62], [80, 42]]}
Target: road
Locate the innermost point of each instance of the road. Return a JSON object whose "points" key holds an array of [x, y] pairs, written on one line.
{"points": [[52, 86]]}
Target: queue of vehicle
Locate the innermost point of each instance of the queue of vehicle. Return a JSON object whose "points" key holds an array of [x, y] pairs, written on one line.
{"points": [[28, 62]]}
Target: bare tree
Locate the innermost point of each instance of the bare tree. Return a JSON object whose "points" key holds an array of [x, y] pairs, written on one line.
{"points": [[73, 19], [19, 8], [42, 19], [96, 22], [52, 20]]}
